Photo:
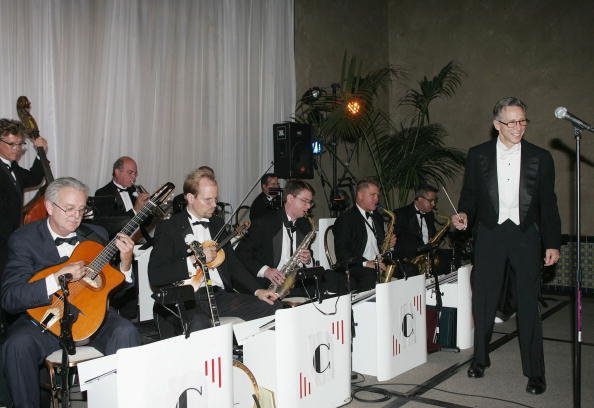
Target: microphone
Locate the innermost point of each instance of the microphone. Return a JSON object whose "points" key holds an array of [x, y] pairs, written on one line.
{"points": [[222, 204], [66, 277], [562, 113]]}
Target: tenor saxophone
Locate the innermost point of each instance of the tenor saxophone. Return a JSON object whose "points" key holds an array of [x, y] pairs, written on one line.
{"points": [[290, 269], [424, 262], [385, 255]]}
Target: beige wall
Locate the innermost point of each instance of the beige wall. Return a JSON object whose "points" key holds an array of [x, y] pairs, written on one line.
{"points": [[540, 51], [324, 29]]}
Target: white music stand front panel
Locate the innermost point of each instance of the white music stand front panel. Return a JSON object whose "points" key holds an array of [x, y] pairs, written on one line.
{"points": [[317, 245], [160, 373], [391, 333], [319, 337], [308, 355]]}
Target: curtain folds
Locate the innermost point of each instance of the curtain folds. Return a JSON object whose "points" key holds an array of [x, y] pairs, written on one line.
{"points": [[174, 84]]}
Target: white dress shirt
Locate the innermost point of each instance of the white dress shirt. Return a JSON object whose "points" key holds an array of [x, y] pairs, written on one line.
{"points": [[125, 196], [371, 251], [202, 234], [508, 181], [423, 224]]}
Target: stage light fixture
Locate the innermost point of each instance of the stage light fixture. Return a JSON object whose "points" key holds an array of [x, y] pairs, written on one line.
{"points": [[311, 95], [354, 107]]}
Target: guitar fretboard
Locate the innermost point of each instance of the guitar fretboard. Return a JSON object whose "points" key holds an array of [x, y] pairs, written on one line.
{"points": [[111, 249]]}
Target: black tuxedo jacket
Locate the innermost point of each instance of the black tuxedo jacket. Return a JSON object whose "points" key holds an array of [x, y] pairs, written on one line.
{"points": [[167, 263], [264, 243], [31, 249], [259, 206], [408, 231], [109, 202], [11, 201], [350, 235], [110, 211], [479, 198]]}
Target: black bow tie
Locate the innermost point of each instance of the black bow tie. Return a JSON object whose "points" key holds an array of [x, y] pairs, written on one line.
{"points": [[205, 224], [290, 226], [421, 214], [368, 214], [10, 167], [71, 240], [130, 189]]}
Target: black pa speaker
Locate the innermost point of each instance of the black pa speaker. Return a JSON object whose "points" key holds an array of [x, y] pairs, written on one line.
{"points": [[293, 154]]}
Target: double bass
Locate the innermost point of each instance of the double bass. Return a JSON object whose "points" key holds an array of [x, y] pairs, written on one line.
{"points": [[35, 209]]}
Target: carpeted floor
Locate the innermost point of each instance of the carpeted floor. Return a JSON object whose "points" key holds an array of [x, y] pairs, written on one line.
{"points": [[442, 381]]}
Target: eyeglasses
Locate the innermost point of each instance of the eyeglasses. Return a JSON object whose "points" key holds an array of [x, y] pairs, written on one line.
{"points": [[304, 201], [514, 123], [432, 201], [72, 211], [14, 145]]}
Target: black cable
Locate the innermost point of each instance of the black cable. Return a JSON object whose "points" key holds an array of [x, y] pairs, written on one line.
{"points": [[379, 390]]}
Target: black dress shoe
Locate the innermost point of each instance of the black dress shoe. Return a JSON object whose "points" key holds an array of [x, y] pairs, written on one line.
{"points": [[536, 385], [476, 370]]}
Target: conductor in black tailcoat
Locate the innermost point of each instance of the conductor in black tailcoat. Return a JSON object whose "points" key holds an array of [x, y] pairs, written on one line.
{"points": [[508, 197]]}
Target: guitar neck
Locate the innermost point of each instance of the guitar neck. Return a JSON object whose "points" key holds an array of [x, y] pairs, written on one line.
{"points": [[212, 304], [111, 249]]}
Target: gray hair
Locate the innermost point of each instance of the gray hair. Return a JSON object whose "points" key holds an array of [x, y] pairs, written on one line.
{"points": [[508, 101], [51, 193]]}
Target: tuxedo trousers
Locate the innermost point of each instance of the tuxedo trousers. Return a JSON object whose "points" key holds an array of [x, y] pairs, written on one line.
{"points": [[507, 244], [26, 348]]}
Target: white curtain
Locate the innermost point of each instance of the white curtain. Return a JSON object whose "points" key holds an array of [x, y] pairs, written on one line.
{"points": [[174, 84]]}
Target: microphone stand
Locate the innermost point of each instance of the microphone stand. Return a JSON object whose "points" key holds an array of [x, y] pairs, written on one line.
{"points": [[66, 341], [216, 237], [577, 317]]}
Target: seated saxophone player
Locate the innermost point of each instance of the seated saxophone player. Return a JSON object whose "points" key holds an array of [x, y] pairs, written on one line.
{"points": [[415, 228], [31, 250], [170, 263], [359, 235], [274, 237]]}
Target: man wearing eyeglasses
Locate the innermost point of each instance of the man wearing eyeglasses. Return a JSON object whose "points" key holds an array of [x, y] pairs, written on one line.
{"points": [[415, 223], [14, 179], [33, 248], [508, 197], [274, 236]]}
